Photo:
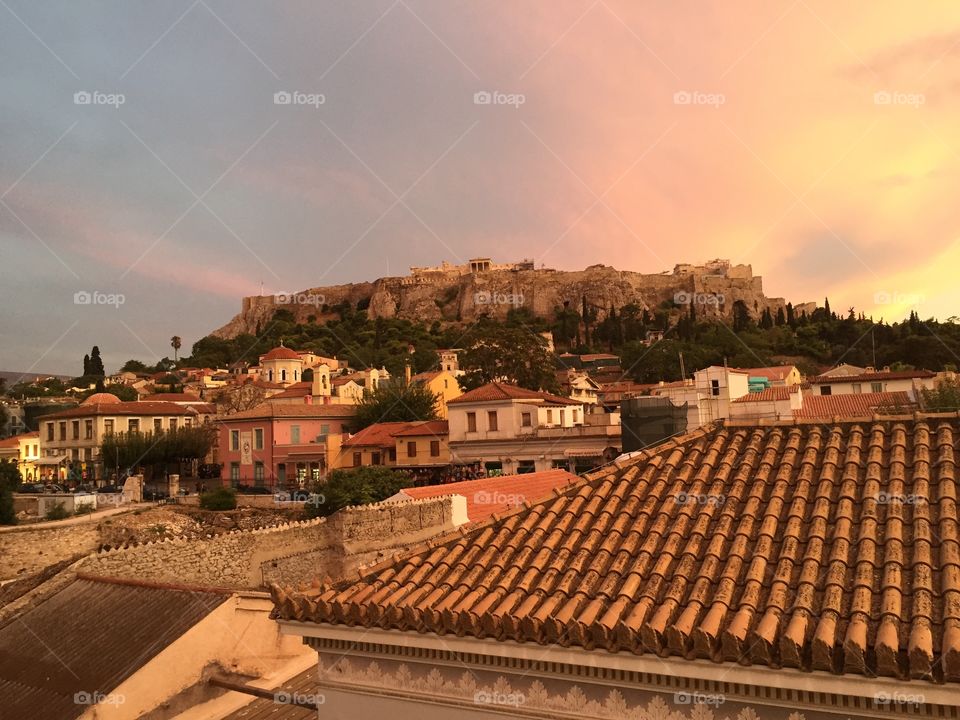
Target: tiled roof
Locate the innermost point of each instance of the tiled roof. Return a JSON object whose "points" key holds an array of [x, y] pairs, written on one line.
{"points": [[774, 372], [855, 405], [501, 391], [174, 397], [487, 496], [376, 435], [425, 376], [281, 353], [778, 392], [134, 408], [285, 410], [873, 376], [88, 638], [805, 545], [425, 427], [297, 390], [304, 684]]}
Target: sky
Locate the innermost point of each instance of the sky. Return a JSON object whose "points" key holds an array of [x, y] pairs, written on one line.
{"points": [[150, 165]]}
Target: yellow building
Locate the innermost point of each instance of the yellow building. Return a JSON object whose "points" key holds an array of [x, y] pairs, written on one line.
{"points": [[442, 383], [423, 445], [29, 454]]}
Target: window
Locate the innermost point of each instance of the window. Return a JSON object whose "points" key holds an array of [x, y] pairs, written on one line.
{"points": [[88, 454], [471, 422], [825, 390], [283, 376], [715, 388], [434, 448], [63, 430], [258, 473], [549, 417], [357, 459], [392, 454], [158, 425], [295, 434], [295, 376], [49, 432], [188, 422], [525, 419], [258, 439], [270, 376], [282, 474], [234, 472], [412, 448], [234, 439], [325, 429], [173, 423], [856, 389], [75, 428], [562, 416], [492, 420], [445, 384], [375, 458], [876, 387], [133, 425], [107, 427], [88, 429], [526, 466]]}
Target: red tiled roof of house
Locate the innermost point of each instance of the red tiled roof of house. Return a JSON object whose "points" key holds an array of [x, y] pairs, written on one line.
{"points": [[501, 391], [269, 410], [297, 390], [174, 397], [281, 353], [487, 496], [873, 376], [855, 405], [425, 376], [774, 372], [376, 435], [133, 407], [425, 427], [801, 546], [777, 392]]}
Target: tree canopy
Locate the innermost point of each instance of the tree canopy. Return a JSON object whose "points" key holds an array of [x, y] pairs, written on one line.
{"points": [[395, 401]]}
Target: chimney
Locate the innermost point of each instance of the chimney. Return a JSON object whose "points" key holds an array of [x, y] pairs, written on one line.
{"points": [[308, 399]]}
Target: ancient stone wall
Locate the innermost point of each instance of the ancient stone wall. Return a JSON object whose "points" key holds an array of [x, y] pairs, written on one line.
{"points": [[29, 549]]}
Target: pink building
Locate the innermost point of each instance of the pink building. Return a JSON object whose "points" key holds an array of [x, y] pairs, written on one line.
{"points": [[281, 446]]}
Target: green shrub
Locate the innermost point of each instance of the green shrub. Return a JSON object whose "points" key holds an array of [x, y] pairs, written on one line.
{"points": [[358, 486], [57, 512], [85, 509], [219, 499]]}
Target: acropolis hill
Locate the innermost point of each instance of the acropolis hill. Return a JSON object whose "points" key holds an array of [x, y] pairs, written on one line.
{"points": [[461, 293]]}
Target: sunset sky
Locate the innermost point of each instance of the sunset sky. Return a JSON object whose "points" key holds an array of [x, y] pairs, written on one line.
{"points": [[815, 140]]}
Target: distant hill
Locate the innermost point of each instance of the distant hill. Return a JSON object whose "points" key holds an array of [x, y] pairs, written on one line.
{"points": [[13, 377]]}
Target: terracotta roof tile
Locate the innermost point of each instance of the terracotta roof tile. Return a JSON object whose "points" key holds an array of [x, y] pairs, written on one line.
{"points": [[501, 391], [855, 405], [872, 376], [807, 545], [777, 392], [284, 410], [376, 435]]}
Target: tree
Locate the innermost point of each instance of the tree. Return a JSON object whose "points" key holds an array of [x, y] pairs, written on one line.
{"points": [[9, 480], [395, 401], [237, 398], [96, 364], [945, 397], [512, 355], [155, 451], [176, 345], [356, 486], [134, 366]]}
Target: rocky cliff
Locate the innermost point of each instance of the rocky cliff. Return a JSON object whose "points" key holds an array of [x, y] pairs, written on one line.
{"points": [[460, 296]]}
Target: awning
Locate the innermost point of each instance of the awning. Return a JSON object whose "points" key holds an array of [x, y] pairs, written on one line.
{"points": [[50, 460], [583, 453]]}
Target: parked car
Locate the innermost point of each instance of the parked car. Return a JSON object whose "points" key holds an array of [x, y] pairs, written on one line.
{"points": [[109, 489], [32, 488], [149, 494], [54, 489], [253, 490]]}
